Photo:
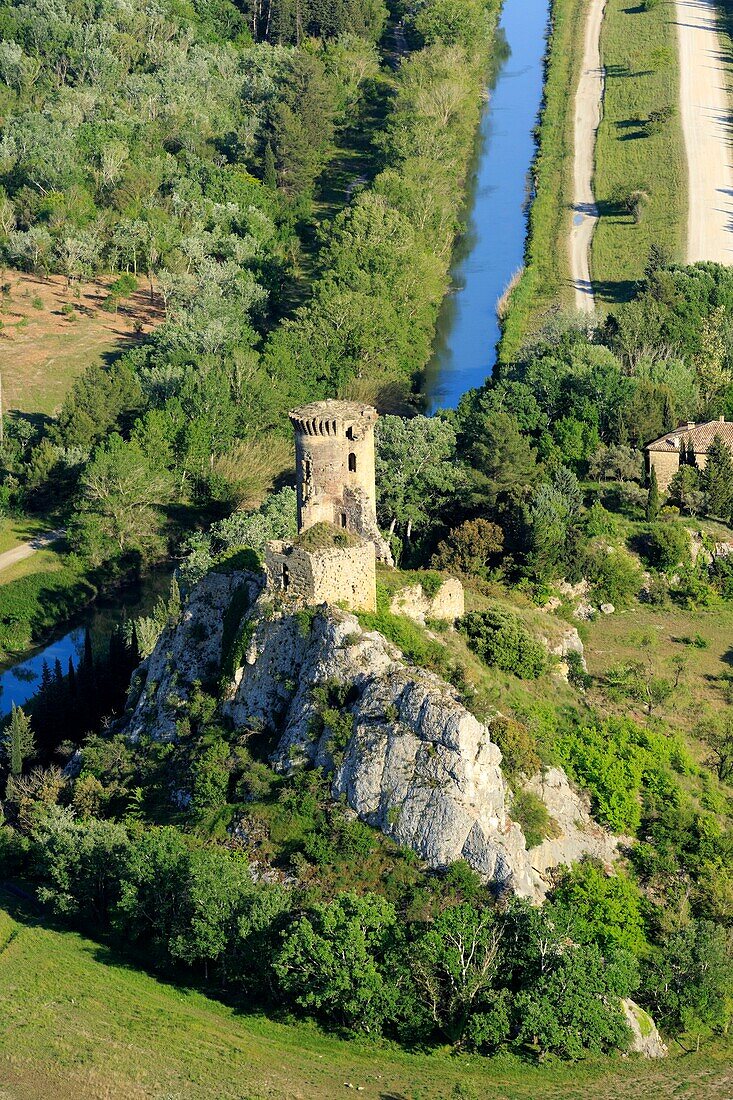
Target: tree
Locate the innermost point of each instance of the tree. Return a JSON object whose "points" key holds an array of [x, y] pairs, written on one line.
{"points": [[653, 502], [500, 454], [684, 490], [417, 471], [454, 965], [333, 961], [717, 479], [573, 1004], [470, 547], [118, 507], [18, 744], [690, 975], [599, 908], [717, 733]]}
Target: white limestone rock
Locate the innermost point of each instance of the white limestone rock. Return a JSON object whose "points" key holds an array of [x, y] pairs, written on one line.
{"points": [[646, 1039], [409, 758], [186, 652]]}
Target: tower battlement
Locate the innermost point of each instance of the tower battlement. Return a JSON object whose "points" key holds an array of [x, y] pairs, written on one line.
{"points": [[334, 460]]}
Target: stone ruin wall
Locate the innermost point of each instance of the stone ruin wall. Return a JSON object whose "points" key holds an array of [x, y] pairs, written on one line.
{"points": [[342, 575]]}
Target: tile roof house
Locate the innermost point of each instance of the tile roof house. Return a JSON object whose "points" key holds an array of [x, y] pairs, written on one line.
{"points": [[666, 454]]}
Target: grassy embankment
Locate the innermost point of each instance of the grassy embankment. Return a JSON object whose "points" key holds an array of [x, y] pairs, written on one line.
{"points": [[78, 1021], [545, 281], [639, 50], [640, 147]]}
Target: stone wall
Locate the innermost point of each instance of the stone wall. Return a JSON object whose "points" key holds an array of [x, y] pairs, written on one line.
{"points": [[666, 466], [343, 575]]}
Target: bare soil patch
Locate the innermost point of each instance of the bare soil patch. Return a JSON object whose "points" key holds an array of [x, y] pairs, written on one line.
{"points": [[51, 333]]}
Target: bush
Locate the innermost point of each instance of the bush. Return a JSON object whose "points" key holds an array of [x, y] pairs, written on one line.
{"points": [[518, 746], [668, 546], [615, 576], [501, 639], [529, 811]]}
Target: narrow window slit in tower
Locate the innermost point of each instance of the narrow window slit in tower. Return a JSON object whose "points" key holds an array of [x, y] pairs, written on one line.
{"points": [[352, 462], [286, 576]]}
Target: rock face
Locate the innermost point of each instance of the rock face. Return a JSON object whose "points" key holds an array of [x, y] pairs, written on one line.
{"points": [[395, 739], [186, 652], [578, 834], [646, 1039], [448, 603]]}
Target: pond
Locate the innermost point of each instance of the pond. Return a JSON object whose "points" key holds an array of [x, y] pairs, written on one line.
{"points": [[492, 248]]}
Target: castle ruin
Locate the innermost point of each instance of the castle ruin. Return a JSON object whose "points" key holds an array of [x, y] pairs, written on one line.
{"points": [[333, 558]]}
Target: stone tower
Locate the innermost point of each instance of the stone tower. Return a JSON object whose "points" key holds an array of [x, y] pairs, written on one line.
{"points": [[334, 462]]}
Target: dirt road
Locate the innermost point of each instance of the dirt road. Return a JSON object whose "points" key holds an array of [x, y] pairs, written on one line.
{"points": [[18, 553], [705, 114], [588, 104]]}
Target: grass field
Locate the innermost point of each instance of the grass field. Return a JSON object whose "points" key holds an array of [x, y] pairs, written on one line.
{"points": [[546, 278], [42, 349], [640, 55], [78, 1022], [614, 639]]}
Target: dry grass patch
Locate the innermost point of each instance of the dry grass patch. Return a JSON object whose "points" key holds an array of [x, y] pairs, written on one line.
{"points": [[49, 335], [703, 638]]}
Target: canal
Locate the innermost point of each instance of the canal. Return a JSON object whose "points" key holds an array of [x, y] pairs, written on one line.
{"points": [[492, 248], [21, 681]]}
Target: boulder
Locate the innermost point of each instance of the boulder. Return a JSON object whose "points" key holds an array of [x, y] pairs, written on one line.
{"points": [[646, 1039], [448, 603]]}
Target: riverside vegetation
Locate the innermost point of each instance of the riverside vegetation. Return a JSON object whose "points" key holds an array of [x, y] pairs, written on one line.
{"points": [[533, 481], [109, 162]]}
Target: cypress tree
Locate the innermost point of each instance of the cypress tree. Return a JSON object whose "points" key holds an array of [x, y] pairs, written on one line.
{"points": [[269, 168], [653, 500], [18, 741], [717, 479]]}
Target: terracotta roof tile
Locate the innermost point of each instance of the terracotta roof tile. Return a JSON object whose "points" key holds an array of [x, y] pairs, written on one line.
{"points": [[700, 435]]}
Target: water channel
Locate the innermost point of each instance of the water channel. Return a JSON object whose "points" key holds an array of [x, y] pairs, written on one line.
{"points": [[492, 247], [20, 683], [487, 255]]}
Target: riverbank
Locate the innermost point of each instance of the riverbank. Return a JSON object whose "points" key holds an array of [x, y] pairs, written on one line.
{"points": [[640, 181], [491, 248], [545, 281]]}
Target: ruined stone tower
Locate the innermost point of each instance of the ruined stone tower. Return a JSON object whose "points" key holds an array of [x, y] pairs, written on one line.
{"points": [[332, 560], [334, 462]]}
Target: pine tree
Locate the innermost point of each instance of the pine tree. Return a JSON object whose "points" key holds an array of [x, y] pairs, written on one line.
{"points": [[717, 479], [653, 500], [18, 744]]}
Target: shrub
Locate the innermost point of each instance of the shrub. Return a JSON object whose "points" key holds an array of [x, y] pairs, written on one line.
{"points": [[668, 546], [501, 639], [529, 811], [615, 576], [518, 746]]}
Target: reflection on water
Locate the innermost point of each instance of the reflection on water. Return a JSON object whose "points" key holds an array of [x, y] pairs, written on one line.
{"points": [[21, 682], [492, 248]]}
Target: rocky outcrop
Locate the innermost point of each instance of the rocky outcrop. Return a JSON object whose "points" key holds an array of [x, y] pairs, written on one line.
{"points": [[187, 652], [646, 1039], [396, 741], [576, 833], [447, 604]]}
